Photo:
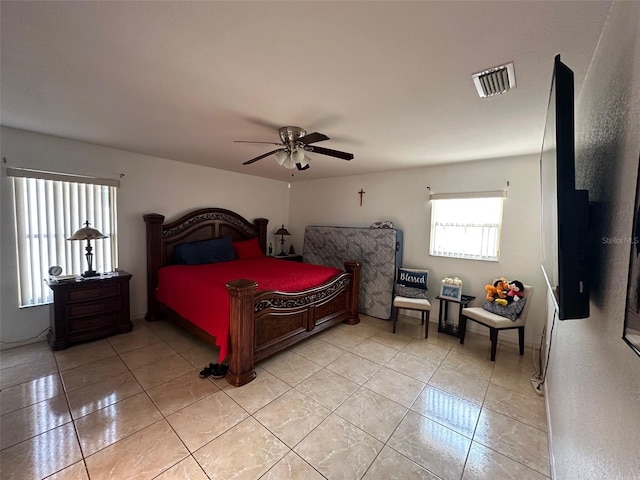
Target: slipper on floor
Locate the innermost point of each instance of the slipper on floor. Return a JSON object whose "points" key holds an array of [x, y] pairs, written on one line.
{"points": [[206, 371], [219, 371]]}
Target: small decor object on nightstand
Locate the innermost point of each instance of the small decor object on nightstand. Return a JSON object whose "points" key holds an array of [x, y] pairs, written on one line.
{"points": [[55, 270], [282, 232], [451, 289], [87, 233], [292, 250]]}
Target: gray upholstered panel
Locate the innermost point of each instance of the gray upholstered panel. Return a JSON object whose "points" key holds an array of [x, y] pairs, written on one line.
{"points": [[375, 248]]}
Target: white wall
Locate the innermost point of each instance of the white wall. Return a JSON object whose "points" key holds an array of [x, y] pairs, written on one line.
{"points": [[150, 185], [402, 197], [593, 384]]}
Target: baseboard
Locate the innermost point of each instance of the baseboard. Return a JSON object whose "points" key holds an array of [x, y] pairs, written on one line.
{"points": [[13, 344], [552, 462]]}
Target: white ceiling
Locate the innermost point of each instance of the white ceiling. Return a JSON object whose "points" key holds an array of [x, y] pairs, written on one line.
{"points": [[389, 81]]}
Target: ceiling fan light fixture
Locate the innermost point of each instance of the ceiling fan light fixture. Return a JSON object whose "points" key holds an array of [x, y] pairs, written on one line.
{"points": [[297, 156], [281, 157], [289, 163]]}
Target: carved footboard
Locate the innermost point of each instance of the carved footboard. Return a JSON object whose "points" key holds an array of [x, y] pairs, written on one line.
{"points": [[263, 323]]}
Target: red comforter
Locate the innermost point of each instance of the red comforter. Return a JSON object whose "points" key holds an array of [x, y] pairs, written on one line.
{"points": [[198, 292]]}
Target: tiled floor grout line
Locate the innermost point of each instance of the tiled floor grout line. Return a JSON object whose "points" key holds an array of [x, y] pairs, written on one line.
{"points": [[334, 411], [363, 386], [482, 406], [450, 349], [164, 417]]}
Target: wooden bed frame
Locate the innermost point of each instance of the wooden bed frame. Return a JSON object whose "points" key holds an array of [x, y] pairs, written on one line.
{"points": [[261, 322]]}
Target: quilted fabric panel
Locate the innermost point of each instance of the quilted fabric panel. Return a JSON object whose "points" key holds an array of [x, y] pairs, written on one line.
{"points": [[375, 248]]}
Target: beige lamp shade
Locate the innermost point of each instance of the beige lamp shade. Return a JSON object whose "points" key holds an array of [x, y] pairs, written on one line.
{"points": [[87, 233]]}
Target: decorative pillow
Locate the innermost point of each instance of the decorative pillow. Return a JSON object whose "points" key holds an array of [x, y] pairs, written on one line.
{"points": [[411, 279], [511, 311], [248, 249], [205, 251], [410, 292]]}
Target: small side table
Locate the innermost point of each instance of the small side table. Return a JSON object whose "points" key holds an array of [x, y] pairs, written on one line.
{"points": [[443, 325]]}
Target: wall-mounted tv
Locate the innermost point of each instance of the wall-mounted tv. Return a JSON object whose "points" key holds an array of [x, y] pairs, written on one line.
{"points": [[565, 210]]}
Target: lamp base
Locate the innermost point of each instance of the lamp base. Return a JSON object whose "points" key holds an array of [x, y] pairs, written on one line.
{"points": [[90, 273], [282, 254]]}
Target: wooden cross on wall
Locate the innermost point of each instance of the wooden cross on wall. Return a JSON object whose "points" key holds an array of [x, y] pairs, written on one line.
{"points": [[361, 193]]}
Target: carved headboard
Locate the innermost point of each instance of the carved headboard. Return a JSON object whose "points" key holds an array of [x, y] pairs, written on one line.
{"points": [[203, 224]]}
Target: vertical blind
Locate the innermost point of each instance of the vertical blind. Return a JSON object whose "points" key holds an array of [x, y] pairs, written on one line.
{"points": [[47, 213], [466, 226]]}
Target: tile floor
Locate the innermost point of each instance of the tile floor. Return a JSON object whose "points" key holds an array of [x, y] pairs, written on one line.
{"points": [[353, 402]]}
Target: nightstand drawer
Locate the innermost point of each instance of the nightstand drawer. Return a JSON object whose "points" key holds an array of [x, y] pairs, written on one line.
{"points": [[82, 295], [94, 327], [75, 310]]}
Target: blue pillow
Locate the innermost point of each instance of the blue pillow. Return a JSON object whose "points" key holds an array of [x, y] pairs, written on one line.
{"points": [[407, 278], [205, 251]]}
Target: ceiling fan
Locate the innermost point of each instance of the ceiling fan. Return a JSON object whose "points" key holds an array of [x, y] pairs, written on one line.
{"points": [[294, 143]]}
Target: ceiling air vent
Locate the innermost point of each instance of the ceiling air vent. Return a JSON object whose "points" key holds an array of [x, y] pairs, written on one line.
{"points": [[495, 81]]}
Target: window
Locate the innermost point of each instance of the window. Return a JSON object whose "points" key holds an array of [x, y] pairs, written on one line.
{"points": [[49, 208], [466, 225]]}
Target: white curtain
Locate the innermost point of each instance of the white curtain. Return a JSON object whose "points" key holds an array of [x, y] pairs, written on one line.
{"points": [[47, 213]]}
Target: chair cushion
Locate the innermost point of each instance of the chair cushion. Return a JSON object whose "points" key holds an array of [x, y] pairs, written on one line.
{"points": [[511, 311], [489, 319], [410, 292], [411, 303]]}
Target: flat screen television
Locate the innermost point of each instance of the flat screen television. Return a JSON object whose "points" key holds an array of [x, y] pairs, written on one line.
{"points": [[565, 210]]}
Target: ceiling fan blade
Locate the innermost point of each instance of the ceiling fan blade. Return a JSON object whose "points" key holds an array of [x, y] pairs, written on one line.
{"points": [[249, 162], [248, 141], [264, 123], [325, 123], [300, 167], [313, 138], [330, 152]]}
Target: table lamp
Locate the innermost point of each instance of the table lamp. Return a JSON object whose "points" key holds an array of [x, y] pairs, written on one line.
{"points": [[282, 232], [87, 233]]}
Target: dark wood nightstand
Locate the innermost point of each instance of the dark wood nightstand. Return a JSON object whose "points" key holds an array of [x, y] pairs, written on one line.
{"points": [[88, 308]]}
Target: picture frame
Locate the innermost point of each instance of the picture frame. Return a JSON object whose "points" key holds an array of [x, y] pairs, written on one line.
{"points": [[451, 292]]}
